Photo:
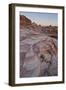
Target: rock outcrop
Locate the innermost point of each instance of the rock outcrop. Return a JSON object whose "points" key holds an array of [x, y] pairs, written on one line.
{"points": [[24, 21], [38, 51]]}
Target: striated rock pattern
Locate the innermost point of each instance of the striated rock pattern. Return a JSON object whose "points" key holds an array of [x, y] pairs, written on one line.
{"points": [[38, 51], [24, 21]]}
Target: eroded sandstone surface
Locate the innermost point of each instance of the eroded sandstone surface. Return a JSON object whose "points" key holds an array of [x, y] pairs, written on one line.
{"points": [[38, 51]]}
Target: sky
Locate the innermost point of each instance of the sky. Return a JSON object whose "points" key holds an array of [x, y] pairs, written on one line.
{"points": [[43, 19]]}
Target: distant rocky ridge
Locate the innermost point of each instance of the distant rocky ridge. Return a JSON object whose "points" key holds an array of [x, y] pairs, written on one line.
{"points": [[28, 24]]}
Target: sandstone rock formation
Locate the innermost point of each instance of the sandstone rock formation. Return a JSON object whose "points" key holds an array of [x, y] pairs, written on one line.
{"points": [[24, 21], [38, 51]]}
